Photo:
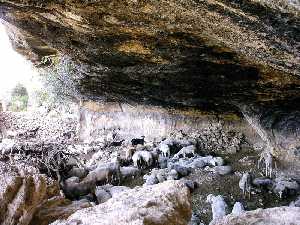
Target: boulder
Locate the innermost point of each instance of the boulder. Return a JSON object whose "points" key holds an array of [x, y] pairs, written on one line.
{"points": [[116, 190], [22, 191], [57, 208], [161, 204], [271, 216], [238, 209], [102, 195]]}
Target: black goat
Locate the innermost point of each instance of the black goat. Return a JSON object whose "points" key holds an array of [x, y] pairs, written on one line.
{"points": [[138, 141], [116, 143]]}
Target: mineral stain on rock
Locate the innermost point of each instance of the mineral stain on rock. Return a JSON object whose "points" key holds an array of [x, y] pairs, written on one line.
{"points": [[196, 91]]}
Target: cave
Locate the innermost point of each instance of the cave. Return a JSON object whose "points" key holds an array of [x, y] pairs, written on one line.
{"points": [[149, 112]]}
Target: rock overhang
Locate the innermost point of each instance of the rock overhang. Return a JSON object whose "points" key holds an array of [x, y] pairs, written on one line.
{"points": [[200, 54]]}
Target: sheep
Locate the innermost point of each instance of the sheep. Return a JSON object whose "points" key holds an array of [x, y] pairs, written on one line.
{"points": [[99, 175], [155, 156], [267, 159], [286, 186], [129, 153], [162, 162], [218, 206], [73, 189], [147, 158], [137, 141], [245, 184], [77, 172], [115, 166], [262, 182], [137, 159], [181, 170], [189, 150], [106, 173], [130, 172], [197, 163], [165, 149], [173, 175]]}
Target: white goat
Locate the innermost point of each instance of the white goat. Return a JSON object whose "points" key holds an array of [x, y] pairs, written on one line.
{"points": [[189, 150], [218, 206], [165, 149], [141, 158], [147, 157], [267, 159], [245, 184], [137, 159]]}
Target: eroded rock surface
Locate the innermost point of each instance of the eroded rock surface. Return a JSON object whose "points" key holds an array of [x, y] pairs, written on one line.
{"points": [[21, 193], [272, 216], [166, 203], [174, 53]]}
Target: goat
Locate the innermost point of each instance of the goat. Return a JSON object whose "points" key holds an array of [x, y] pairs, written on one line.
{"points": [[142, 158], [165, 149], [188, 150], [245, 184], [138, 141], [155, 155], [73, 189], [116, 143], [129, 153], [106, 173], [267, 159]]}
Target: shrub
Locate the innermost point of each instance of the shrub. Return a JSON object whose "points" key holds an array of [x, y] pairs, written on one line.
{"points": [[19, 99]]}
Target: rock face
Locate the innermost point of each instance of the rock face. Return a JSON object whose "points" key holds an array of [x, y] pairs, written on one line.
{"points": [[57, 208], [274, 216], [162, 204], [29, 198], [202, 55], [21, 195], [171, 53]]}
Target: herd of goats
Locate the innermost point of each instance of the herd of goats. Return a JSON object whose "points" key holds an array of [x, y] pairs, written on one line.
{"points": [[172, 158]]}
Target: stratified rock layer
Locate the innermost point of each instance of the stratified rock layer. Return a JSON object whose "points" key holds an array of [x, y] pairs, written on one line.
{"points": [[171, 52], [20, 195], [29, 198], [163, 204], [272, 216]]}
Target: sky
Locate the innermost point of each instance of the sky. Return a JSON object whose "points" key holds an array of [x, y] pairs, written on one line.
{"points": [[14, 68]]}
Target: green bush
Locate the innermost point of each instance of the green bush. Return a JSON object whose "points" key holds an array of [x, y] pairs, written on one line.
{"points": [[19, 99]]}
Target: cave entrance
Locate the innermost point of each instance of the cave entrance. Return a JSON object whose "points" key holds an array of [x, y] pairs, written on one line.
{"points": [[18, 80]]}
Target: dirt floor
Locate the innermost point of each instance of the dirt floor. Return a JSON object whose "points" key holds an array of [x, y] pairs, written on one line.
{"points": [[228, 187]]}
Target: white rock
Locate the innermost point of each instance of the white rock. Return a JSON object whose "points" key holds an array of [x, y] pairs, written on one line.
{"points": [[167, 203], [238, 208]]}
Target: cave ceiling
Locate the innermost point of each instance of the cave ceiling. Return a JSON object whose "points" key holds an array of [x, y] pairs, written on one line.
{"points": [[191, 53]]}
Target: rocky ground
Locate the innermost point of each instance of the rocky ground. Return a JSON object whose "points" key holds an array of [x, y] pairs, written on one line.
{"points": [[82, 175]]}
